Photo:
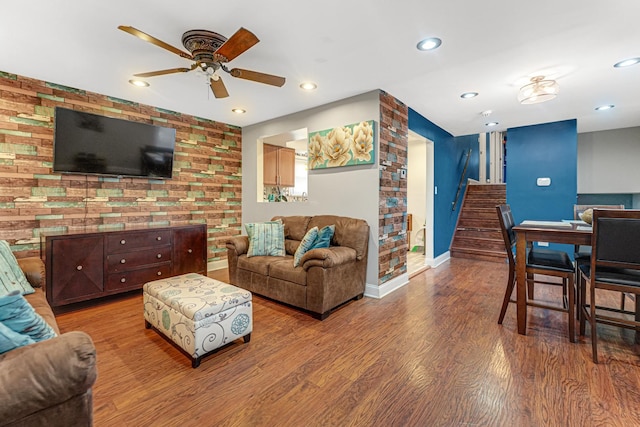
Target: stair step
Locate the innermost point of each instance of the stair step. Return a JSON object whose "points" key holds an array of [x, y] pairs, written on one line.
{"points": [[478, 243], [485, 233], [478, 223], [478, 255]]}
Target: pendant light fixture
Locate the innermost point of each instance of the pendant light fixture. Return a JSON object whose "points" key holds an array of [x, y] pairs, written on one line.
{"points": [[539, 90]]}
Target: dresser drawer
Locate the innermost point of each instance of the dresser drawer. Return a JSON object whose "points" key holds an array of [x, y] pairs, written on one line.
{"points": [[134, 279], [125, 242], [132, 260]]}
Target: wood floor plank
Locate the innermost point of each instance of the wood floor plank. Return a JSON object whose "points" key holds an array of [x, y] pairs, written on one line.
{"points": [[430, 353]]}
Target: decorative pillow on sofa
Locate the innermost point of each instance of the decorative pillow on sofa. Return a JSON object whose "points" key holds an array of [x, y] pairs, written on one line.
{"points": [[9, 339], [265, 238], [305, 244], [11, 275], [18, 315], [324, 237]]}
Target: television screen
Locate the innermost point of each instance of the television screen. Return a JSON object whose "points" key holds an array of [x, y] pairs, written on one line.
{"points": [[92, 144]]}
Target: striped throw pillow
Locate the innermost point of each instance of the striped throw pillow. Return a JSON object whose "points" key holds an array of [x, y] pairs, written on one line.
{"points": [[12, 277], [305, 245], [265, 238]]}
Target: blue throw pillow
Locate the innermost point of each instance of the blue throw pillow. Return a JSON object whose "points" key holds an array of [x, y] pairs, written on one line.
{"points": [[307, 241], [324, 237], [265, 238], [17, 314], [12, 277], [9, 339]]}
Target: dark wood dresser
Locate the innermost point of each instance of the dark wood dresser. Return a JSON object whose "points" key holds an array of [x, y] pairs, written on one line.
{"points": [[82, 266]]}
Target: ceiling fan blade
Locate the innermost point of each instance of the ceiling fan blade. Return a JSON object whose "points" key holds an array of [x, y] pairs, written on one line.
{"points": [[238, 43], [258, 77], [218, 88], [146, 37], [168, 71]]}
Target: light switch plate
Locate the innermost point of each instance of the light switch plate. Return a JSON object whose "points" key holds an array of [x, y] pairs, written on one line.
{"points": [[543, 182]]}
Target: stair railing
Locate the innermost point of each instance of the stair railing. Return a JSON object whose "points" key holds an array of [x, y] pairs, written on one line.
{"points": [[464, 171]]}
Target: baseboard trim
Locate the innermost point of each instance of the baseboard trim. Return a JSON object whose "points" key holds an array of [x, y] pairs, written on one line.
{"points": [[373, 291], [217, 265], [435, 262]]}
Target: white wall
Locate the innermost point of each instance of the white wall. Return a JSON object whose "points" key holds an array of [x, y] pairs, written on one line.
{"points": [[608, 161], [348, 191]]}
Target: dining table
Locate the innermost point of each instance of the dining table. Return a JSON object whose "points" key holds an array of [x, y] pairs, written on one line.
{"points": [[529, 231]]}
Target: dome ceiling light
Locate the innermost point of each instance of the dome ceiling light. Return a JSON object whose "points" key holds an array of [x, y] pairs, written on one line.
{"points": [[539, 90]]}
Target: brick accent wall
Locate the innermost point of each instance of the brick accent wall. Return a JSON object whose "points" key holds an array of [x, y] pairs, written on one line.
{"points": [[206, 185], [394, 137]]}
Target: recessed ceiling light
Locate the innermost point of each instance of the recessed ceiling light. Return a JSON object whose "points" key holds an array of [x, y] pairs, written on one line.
{"points": [[491, 124], [429, 44], [605, 107], [627, 62], [239, 110], [308, 86], [469, 95], [139, 83]]}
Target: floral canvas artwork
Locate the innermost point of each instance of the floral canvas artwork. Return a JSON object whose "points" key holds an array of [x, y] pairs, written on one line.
{"points": [[349, 145]]}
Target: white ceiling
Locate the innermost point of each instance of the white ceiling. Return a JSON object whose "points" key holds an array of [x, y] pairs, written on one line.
{"points": [[347, 48]]}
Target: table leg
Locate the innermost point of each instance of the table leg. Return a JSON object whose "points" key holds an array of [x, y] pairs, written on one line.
{"points": [[521, 284]]}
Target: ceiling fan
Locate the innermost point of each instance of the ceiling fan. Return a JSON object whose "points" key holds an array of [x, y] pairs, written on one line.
{"points": [[210, 52]]}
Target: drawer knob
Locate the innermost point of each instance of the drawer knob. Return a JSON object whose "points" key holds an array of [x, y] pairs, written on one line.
{"points": [[123, 280], [159, 238], [79, 268], [190, 250], [122, 242], [122, 261], [159, 273], [159, 256]]}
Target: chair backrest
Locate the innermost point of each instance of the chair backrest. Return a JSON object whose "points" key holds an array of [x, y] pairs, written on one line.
{"points": [[578, 209], [505, 218], [616, 238]]}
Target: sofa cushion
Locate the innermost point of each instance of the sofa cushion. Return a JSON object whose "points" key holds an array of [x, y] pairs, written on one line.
{"points": [[265, 238], [295, 227], [349, 232], [11, 275], [307, 243], [261, 264], [17, 314], [284, 270], [291, 246]]}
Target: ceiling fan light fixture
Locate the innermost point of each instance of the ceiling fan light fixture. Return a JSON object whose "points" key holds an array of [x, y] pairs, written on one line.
{"points": [[430, 43], [539, 90], [308, 86], [138, 83]]}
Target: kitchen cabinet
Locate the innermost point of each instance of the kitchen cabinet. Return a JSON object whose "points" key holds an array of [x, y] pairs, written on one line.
{"points": [[279, 165]]}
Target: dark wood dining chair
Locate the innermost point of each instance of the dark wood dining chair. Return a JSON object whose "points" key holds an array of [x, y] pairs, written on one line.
{"points": [[614, 266], [540, 261]]}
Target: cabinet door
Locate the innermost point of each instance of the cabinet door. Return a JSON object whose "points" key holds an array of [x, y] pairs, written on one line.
{"points": [[74, 269], [270, 164], [287, 167], [190, 250]]}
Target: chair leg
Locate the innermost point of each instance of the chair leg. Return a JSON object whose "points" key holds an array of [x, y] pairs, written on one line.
{"points": [[530, 285], [592, 322], [571, 309], [582, 299], [507, 294]]}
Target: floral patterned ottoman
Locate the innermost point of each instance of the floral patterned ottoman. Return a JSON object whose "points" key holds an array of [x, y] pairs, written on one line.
{"points": [[198, 313]]}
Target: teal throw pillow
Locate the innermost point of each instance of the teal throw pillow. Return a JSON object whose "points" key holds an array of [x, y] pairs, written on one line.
{"points": [[17, 314], [12, 277], [265, 238], [324, 237], [9, 339], [306, 243]]}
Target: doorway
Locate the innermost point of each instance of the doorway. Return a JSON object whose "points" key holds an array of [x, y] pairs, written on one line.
{"points": [[420, 202]]}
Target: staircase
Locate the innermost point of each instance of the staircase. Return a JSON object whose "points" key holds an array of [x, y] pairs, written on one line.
{"points": [[477, 233]]}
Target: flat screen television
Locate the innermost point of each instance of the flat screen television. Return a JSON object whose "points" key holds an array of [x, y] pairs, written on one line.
{"points": [[86, 143]]}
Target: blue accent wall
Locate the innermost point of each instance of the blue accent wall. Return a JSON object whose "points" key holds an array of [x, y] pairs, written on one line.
{"points": [[544, 150], [449, 159]]}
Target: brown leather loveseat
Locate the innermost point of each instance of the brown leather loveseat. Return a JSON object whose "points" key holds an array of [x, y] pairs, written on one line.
{"points": [[325, 278], [47, 383]]}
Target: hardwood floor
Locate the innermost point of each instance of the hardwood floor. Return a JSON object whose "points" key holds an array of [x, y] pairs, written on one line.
{"points": [[429, 354]]}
